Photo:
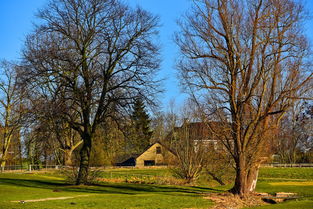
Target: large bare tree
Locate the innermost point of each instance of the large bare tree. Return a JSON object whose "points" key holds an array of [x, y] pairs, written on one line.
{"points": [[248, 60], [96, 56]]}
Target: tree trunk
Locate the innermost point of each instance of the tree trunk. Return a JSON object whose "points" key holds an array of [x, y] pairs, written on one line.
{"points": [[4, 157], [240, 187], [246, 178], [253, 177], [82, 177], [6, 145], [68, 153], [68, 157], [3, 162]]}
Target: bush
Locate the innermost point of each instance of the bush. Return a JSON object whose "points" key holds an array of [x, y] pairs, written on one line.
{"points": [[71, 175]]}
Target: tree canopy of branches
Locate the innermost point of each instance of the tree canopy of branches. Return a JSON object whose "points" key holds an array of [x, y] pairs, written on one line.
{"points": [[248, 61], [296, 132], [190, 150], [92, 57]]}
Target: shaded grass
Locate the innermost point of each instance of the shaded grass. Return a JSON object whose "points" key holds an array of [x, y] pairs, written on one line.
{"points": [[105, 195], [125, 195], [271, 180]]}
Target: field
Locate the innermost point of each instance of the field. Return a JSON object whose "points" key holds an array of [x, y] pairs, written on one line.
{"points": [[296, 180], [50, 190]]}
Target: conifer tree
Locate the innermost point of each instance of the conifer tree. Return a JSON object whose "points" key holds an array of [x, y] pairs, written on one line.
{"points": [[140, 127]]}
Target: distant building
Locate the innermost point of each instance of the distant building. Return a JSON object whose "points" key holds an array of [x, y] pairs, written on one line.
{"points": [[210, 135], [155, 155]]}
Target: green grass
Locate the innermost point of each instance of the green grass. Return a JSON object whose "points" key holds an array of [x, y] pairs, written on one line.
{"points": [[286, 173], [295, 180], [135, 172], [15, 186], [105, 195], [140, 171], [155, 176]]}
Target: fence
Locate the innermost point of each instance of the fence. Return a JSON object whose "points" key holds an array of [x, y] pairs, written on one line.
{"points": [[24, 168], [29, 168], [287, 165]]}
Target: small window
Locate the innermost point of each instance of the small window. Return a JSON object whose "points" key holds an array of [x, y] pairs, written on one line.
{"points": [[158, 150]]}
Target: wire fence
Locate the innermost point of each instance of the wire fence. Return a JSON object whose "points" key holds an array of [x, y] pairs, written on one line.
{"points": [[29, 168], [34, 167], [289, 165]]}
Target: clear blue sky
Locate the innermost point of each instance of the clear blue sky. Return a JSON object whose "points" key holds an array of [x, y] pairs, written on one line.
{"points": [[16, 17]]}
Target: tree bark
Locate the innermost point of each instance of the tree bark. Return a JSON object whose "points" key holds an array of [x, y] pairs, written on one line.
{"points": [[3, 162], [253, 177], [7, 141], [68, 152], [246, 178], [68, 157], [85, 151], [240, 186]]}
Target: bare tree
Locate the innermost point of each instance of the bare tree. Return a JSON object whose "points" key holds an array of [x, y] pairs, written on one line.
{"points": [[164, 123], [295, 133], [289, 136], [191, 152], [188, 141], [47, 118], [246, 59], [96, 56], [10, 107]]}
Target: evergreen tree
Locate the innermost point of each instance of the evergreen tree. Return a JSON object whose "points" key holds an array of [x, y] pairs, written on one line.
{"points": [[140, 127]]}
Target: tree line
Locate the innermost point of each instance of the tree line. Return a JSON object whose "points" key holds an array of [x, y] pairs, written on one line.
{"points": [[90, 66]]}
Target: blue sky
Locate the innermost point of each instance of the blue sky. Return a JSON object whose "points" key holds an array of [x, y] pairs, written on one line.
{"points": [[17, 16]]}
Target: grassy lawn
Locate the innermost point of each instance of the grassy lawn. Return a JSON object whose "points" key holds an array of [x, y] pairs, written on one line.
{"points": [[296, 180], [15, 187], [105, 195]]}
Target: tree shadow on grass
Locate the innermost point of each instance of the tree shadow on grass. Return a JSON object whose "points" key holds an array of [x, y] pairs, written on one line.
{"points": [[207, 189], [148, 188], [107, 188]]}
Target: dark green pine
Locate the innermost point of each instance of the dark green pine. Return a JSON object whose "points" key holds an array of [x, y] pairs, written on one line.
{"points": [[141, 126]]}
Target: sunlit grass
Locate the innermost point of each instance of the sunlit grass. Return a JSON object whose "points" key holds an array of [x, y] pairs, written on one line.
{"points": [[15, 187], [18, 187]]}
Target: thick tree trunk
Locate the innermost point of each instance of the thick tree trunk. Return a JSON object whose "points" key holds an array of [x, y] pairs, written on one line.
{"points": [[68, 153], [82, 177], [6, 145], [4, 157], [253, 177], [68, 157], [3, 162], [246, 178], [240, 186]]}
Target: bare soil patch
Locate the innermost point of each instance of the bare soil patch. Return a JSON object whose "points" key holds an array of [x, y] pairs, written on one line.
{"points": [[228, 200], [50, 198]]}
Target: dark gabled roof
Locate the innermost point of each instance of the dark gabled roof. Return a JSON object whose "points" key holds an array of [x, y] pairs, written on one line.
{"points": [[202, 130], [128, 162]]}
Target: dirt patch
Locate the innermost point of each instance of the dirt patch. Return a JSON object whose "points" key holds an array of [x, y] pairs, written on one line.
{"points": [[50, 198], [228, 200]]}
